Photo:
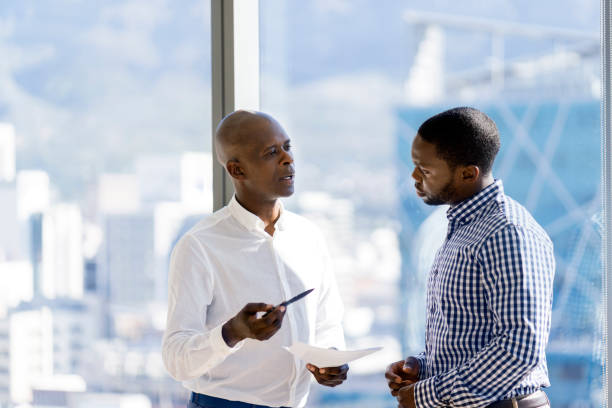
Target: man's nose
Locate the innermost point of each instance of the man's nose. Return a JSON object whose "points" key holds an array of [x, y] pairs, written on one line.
{"points": [[415, 174], [287, 158]]}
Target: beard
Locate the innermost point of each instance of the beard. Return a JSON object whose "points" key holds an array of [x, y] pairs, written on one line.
{"points": [[444, 196]]}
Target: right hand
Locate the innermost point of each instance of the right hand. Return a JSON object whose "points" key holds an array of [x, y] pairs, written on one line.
{"points": [[246, 324], [402, 373]]}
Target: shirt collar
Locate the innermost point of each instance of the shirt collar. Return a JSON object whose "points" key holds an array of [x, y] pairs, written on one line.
{"points": [[467, 210], [251, 221]]}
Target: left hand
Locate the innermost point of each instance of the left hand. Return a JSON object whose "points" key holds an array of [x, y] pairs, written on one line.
{"points": [[405, 397], [329, 376]]}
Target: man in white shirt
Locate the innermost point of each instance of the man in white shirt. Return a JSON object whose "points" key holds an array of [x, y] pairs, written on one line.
{"points": [[252, 250]]}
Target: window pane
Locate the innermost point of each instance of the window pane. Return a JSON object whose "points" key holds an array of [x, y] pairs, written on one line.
{"points": [[351, 83], [104, 161]]}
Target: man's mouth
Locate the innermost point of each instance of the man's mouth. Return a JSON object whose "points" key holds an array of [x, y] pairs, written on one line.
{"points": [[288, 177], [419, 192]]}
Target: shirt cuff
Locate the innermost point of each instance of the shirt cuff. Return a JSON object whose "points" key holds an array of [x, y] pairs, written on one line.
{"points": [[425, 394], [219, 345], [421, 361]]}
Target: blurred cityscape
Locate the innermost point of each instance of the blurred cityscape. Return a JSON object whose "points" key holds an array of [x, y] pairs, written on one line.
{"points": [[99, 178]]}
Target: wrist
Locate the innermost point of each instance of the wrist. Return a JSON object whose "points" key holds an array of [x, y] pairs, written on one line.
{"points": [[229, 334]]}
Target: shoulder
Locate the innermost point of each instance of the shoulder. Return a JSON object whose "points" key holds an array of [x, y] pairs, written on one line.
{"points": [[510, 223], [210, 225]]}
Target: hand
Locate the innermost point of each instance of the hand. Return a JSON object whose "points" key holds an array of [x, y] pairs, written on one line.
{"points": [[246, 324], [402, 373], [405, 397], [329, 376]]}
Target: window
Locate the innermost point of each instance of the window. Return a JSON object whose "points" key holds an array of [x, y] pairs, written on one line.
{"points": [[351, 84], [104, 161]]}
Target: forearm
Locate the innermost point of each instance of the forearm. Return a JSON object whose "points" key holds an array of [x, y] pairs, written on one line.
{"points": [[188, 355]]}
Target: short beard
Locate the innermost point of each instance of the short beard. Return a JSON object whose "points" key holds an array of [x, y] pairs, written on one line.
{"points": [[445, 196]]}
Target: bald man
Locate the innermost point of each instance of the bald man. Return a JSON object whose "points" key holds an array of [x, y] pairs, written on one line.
{"points": [[225, 338]]}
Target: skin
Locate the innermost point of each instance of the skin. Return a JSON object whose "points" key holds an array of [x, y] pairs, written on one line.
{"points": [[256, 152], [437, 182]]}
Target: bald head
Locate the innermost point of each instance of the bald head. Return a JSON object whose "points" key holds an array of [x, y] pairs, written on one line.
{"points": [[237, 131], [256, 153]]}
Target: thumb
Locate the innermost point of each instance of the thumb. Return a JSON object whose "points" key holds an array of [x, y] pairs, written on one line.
{"points": [[411, 366]]}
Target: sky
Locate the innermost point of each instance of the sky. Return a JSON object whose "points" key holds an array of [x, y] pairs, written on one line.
{"points": [[89, 85]]}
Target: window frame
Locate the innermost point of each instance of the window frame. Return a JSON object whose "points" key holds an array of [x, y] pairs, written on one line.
{"points": [[235, 73], [606, 179]]}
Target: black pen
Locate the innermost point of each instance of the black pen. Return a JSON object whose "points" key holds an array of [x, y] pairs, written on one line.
{"points": [[290, 301]]}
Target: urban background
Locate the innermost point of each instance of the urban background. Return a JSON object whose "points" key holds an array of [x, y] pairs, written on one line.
{"points": [[105, 161]]}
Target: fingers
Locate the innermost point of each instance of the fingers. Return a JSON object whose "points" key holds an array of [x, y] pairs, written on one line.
{"points": [[253, 308], [395, 388], [394, 372], [411, 367], [329, 376], [266, 327], [274, 315], [334, 370], [397, 378]]}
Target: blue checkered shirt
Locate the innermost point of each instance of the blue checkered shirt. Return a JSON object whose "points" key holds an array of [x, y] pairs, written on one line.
{"points": [[489, 299]]}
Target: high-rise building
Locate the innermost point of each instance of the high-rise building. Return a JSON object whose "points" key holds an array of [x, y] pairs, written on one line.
{"points": [[61, 273], [7, 153], [185, 178], [16, 285], [5, 363], [11, 239], [46, 339], [33, 192], [159, 178], [196, 181], [127, 259]]}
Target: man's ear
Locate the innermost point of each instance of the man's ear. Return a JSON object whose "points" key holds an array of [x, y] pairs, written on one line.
{"points": [[235, 170], [470, 174]]}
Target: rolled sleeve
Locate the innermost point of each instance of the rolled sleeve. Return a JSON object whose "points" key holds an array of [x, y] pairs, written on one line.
{"points": [[426, 394], [218, 344], [422, 365]]}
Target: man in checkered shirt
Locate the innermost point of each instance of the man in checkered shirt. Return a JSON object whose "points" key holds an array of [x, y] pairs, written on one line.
{"points": [[489, 292]]}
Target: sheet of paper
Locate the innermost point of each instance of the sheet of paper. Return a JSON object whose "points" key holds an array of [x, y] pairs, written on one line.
{"points": [[323, 357]]}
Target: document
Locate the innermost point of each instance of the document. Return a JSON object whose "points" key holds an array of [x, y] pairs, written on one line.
{"points": [[323, 357]]}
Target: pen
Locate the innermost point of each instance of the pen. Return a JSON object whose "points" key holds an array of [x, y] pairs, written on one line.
{"points": [[293, 299]]}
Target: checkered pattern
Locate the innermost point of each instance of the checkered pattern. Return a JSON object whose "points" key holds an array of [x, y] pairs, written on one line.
{"points": [[489, 299]]}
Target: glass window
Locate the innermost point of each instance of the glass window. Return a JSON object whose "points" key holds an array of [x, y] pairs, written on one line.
{"points": [[105, 161], [352, 83]]}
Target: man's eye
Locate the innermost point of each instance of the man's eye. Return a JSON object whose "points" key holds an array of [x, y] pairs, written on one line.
{"points": [[287, 147], [271, 153]]}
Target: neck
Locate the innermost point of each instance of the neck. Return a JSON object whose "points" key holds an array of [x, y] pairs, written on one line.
{"points": [[480, 185], [267, 210], [484, 182]]}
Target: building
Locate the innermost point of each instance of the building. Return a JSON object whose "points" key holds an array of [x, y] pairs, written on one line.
{"points": [[16, 285], [11, 234], [61, 270], [7, 153], [46, 339], [127, 259]]}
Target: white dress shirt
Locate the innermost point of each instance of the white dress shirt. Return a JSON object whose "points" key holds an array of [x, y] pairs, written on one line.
{"points": [[226, 261]]}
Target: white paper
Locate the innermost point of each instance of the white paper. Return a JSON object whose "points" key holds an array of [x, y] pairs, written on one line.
{"points": [[323, 357]]}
